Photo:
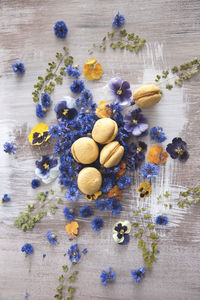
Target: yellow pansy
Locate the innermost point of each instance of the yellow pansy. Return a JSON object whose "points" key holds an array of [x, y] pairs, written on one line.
{"points": [[102, 110], [92, 69], [39, 134]]}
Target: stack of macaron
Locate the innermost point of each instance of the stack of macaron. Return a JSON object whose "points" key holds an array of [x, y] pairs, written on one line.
{"points": [[85, 150]]}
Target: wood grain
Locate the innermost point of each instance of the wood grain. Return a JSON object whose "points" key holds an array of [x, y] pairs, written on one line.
{"points": [[172, 31]]}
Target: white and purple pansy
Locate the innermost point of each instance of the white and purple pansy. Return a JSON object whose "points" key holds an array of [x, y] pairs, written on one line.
{"points": [[47, 168], [120, 91], [121, 231], [136, 123]]}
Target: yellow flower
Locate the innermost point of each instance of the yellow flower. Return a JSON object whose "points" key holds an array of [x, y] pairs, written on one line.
{"points": [[92, 69], [39, 134], [94, 196], [72, 229], [144, 189], [102, 110]]}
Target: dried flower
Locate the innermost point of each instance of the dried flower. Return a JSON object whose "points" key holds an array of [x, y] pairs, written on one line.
{"points": [[94, 196], [115, 192], [92, 69], [178, 149], [119, 20], [39, 134], [60, 29], [74, 254], [107, 277], [27, 248], [120, 90], [121, 231], [161, 220], [138, 274], [136, 122], [18, 67], [149, 171], [9, 148], [103, 111], [97, 223], [156, 155], [51, 238], [144, 189], [72, 229], [5, 198], [157, 134]]}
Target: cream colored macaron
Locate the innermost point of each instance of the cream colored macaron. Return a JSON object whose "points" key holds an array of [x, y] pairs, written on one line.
{"points": [[111, 154], [147, 95], [85, 150], [104, 131], [89, 180]]}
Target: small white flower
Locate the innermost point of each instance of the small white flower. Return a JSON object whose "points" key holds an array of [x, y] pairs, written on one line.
{"points": [[120, 229]]}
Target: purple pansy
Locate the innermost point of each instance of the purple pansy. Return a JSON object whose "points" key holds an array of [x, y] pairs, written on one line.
{"points": [[120, 90], [135, 122], [178, 149], [63, 112], [135, 154]]}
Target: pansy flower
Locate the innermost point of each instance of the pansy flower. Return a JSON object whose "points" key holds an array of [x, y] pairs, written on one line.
{"points": [[136, 122], [156, 155], [115, 192], [64, 113], [135, 154], [178, 149], [121, 231], [74, 253], [103, 111], [39, 134], [144, 189], [92, 69], [72, 229], [120, 90], [46, 168], [93, 196]]}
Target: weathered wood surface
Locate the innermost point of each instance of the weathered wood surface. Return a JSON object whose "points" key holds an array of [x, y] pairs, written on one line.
{"points": [[172, 30]]}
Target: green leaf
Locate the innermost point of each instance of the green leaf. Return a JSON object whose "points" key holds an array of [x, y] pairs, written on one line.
{"points": [[59, 287], [154, 236], [61, 278], [135, 224], [65, 268], [147, 216], [135, 212], [150, 226], [71, 290]]}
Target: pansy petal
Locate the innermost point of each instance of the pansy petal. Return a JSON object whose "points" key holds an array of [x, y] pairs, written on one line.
{"points": [[128, 225], [116, 239]]}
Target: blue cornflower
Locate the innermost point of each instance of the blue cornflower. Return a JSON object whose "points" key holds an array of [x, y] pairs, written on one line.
{"points": [[46, 100], [101, 204], [118, 20], [124, 181], [107, 183], [72, 193], [161, 220], [26, 295], [138, 274], [44, 255], [107, 276], [69, 213], [40, 113], [73, 72], [85, 211], [114, 205], [51, 237], [18, 67], [27, 248], [5, 198], [157, 134], [74, 254], [149, 171], [35, 183], [97, 223], [77, 86], [85, 250], [85, 99], [60, 29], [9, 148], [55, 131]]}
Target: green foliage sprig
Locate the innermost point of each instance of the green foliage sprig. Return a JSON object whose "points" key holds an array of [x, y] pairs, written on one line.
{"points": [[35, 211], [66, 287], [120, 39], [54, 75], [181, 73], [146, 236]]}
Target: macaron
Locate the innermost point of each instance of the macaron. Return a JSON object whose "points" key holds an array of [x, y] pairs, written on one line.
{"points": [[85, 150], [89, 180], [147, 95], [111, 154], [104, 131]]}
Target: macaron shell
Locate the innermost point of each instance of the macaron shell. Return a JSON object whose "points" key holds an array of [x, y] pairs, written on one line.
{"points": [[148, 101], [111, 154], [89, 180], [104, 130], [85, 150], [144, 90]]}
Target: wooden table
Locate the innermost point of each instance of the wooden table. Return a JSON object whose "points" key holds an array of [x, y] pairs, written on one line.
{"points": [[172, 31]]}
